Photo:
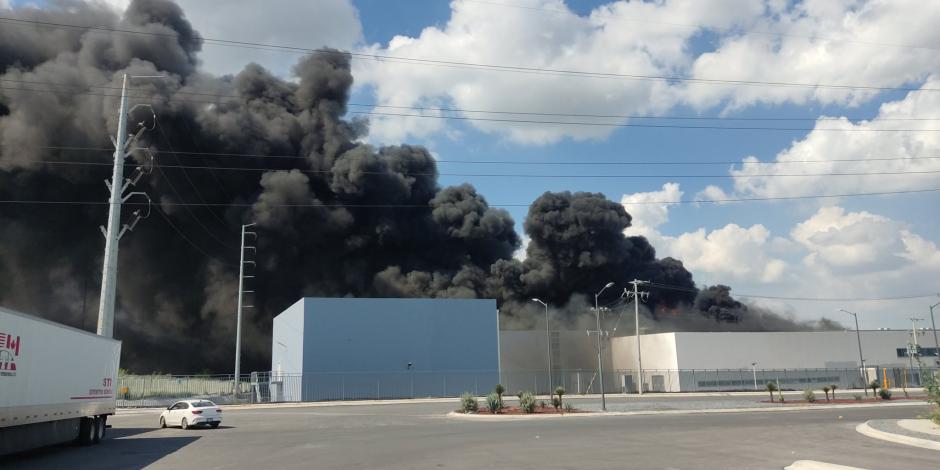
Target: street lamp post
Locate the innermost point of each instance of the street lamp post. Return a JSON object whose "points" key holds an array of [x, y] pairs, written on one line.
{"points": [[861, 359], [936, 344], [548, 343], [600, 364], [754, 371]]}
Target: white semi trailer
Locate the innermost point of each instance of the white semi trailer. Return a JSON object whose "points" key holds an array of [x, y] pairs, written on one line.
{"points": [[57, 383]]}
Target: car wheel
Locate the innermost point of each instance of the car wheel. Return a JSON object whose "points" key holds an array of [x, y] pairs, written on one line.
{"points": [[214, 425], [184, 424], [162, 422]]}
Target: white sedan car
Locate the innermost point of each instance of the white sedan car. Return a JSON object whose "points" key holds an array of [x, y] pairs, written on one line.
{"points": [[188, 413]]}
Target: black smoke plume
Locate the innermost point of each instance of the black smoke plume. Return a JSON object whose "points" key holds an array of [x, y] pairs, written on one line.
{"points": [[336, 217]]}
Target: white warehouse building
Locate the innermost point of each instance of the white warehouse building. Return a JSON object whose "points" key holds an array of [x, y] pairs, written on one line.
{"points": [[684, 361]]}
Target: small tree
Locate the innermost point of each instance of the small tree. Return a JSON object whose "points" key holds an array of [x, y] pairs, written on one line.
{"points": [[560, 391], [826, 391], [932, 387], [771, 388], [499, 390], [874, 386], [833, 387]]}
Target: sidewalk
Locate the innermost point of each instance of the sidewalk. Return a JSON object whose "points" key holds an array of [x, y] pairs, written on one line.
{"points": [[913, 432]]}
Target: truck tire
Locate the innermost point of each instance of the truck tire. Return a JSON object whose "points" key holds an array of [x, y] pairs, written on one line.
{"points": [[86, 431], [184, 424], [100, 426]]}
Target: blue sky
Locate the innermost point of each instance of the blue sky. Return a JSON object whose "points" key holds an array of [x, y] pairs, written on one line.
{"points": [[864, 247]]}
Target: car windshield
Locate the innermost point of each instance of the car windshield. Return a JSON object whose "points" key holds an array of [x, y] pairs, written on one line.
{"points": [[203, 404]]}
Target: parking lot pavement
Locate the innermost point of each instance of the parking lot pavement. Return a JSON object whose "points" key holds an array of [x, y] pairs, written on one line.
{"points": [[420, 436]]}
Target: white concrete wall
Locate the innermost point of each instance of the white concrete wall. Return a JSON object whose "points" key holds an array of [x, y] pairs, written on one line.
{"points": [[790, 350]]}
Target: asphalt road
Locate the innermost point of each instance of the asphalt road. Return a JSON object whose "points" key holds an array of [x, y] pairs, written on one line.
{"points": [[416, 436]]}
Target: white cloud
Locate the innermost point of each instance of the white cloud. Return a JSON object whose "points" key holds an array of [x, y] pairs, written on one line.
{"points": [[850, 240], [880, 149], [307, 24], [556, 38], [834, 253], [822, 42], [729, 253], [814, 42]]}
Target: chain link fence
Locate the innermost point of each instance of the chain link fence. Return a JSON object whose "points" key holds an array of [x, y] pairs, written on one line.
{"points": [[265, 387]]}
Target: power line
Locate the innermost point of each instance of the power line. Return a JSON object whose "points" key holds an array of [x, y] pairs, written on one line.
{"points": [[541, 122], [517, 175], [639, 125], [477, 111], [428, 206], [187, 239], [472, 65], [505, 162]]}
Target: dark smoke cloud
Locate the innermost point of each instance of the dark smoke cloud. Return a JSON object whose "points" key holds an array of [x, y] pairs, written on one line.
{"points": [[175, 302]]}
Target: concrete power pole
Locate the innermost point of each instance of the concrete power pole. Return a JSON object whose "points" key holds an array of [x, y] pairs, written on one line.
{"points": [[637, 298], [114, 231], [241, 293]]}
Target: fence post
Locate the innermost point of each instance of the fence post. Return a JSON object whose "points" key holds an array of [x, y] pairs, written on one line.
{"points": [[579, 381], [476, 385], [343, 386], [445, 385], [377, 388]]}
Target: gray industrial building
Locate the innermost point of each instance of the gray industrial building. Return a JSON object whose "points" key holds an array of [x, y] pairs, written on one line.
{"points": [[352, 348]]}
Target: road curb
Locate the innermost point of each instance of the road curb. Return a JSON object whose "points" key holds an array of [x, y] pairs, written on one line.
{"points": [[599, 414], [867, 430]]}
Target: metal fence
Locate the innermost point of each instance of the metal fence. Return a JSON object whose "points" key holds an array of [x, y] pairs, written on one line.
{"points": [[264, 387]]}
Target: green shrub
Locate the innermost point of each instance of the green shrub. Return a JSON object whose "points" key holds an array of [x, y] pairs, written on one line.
{"points": [[874, 386], [885, 394], [527, 402], [468, 403], [542, 404], [833, 387], [569, 408], [556, 402], [494, 403], [499, 390], [932, 387], [809, 395], [826, 391], [857, 396], [771, 388]]}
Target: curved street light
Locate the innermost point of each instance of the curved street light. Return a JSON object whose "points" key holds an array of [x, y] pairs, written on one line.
{"points": [[548, 343], [861, 359], [600, 364]]}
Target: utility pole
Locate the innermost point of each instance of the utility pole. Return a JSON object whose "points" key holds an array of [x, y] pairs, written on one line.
{"points": [[914, 348], [114, 231], [241, 292], [936, 344], [548, 342], [861, 359], [600, 363], [637, 297]]}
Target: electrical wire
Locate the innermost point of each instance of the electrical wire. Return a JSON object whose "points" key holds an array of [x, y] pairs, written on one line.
{"points": [[469, 65], [187, 239], [519, 175], [542, 122], [506, 162], [150, 94], [428, 206]]}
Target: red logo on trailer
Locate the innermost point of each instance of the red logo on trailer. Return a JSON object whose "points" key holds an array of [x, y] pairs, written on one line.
{"points": [[9, 351]]}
